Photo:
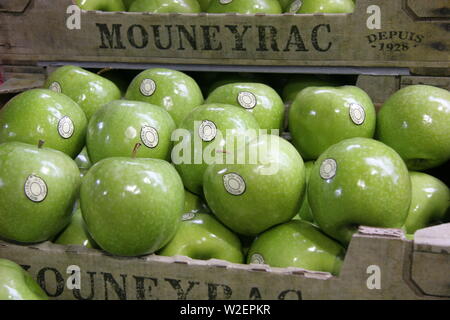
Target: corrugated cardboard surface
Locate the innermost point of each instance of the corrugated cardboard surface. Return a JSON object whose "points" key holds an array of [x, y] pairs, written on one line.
{"points": [[379, 264], [409, 34]]}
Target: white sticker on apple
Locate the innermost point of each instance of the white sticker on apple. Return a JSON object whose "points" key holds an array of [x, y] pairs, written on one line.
{"points": [[257, 259], [357, 113], [295, 6], [188, 216], [225, 1], [148, 87], [247, 100], [234, 184], [35, 188], [55, 86], [65, 127], [149, 137], [328, 169], [207, 130]]}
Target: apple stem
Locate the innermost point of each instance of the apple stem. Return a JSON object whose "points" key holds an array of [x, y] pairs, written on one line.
{"points": [[103, 71], [40, 144], [135, 149]]}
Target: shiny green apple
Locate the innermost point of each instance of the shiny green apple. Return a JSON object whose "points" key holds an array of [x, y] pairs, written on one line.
{"points": [[131, 206], [117, 126], [430, 202], [355, 182], [202, 237], [322, 116], [101, 5], [265, 189], [203, 137], [324, 6], [173, 90], [17, 284], [297, 244], [259, 99], [245, 6], [415, 121], [76, 233], [38, 189], [41, 114], [165, 6], [88, 89]]}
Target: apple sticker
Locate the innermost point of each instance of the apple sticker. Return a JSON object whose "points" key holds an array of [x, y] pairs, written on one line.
{"points": [[149, 137], [148, 87], [357, 113], [56, 87], [65, 127], [295, 6], [207, 130], [257, 259], [35, 188], [234, 184], [328, 169], [247, 100]]}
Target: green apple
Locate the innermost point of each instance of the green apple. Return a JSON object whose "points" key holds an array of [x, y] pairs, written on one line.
{"points": [[324, 6], [259, 99], [102, 5], [38, 188], [245, 6], [355, 182], [297, 244], [76, 233], [17, 284], [83, 162], [203, 138], [202, 237], [265, 189], [41, 114], [415, 121], [193, 203], [305, 210], [165, 6], [175, 91], [204, 4], [117, 126], [88, 89], [322, 116], [300, 82], [132, 207], [430, 202]]}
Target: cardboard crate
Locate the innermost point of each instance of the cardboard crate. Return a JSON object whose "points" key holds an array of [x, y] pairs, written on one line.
{"points": [[379, 264], [396, 37]]}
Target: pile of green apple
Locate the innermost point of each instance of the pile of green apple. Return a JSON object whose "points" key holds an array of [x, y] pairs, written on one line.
{"points": [[221, 6], [82, 163]]}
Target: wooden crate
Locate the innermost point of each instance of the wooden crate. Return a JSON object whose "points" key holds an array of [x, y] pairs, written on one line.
{"points": [[379, 264], [394, 37]]}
